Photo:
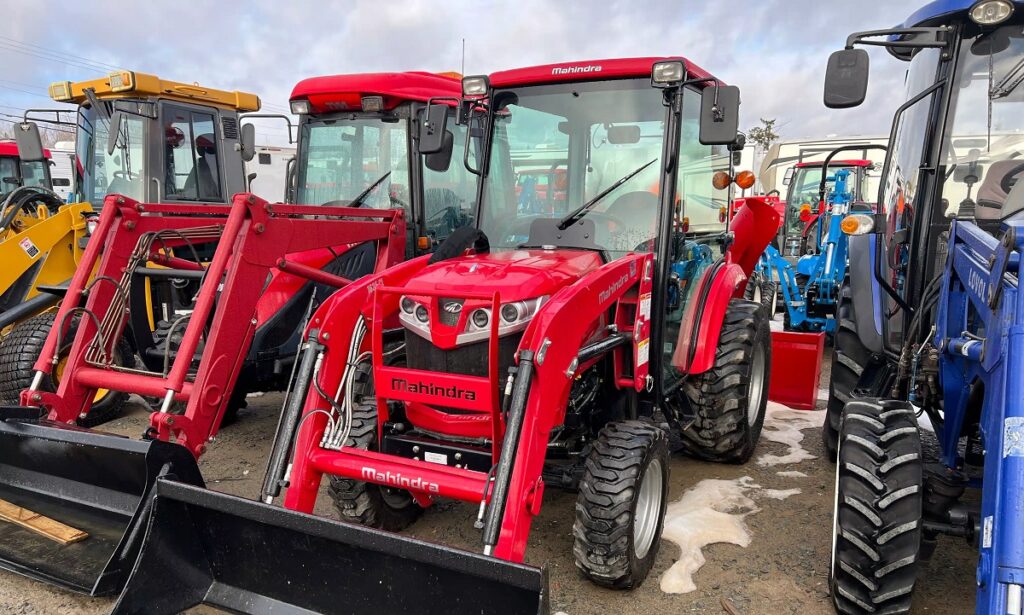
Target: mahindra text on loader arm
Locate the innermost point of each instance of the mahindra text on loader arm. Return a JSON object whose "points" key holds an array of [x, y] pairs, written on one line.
{"points": [[537, 349], [272, 264]]}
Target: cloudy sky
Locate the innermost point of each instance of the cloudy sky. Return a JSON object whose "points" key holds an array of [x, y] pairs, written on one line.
{"points": [[775, 50]]}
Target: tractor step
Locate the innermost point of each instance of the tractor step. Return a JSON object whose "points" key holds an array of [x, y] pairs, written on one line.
{"points": [[203, 547], [95, 483]]}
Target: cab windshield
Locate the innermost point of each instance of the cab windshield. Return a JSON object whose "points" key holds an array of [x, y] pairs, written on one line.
{"points": [[557, 147], [803, 190], [344, 157], [984, 149], [99, 173]]}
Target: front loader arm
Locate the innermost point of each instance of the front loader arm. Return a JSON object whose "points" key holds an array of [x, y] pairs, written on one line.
{"points": [[554, 343]]}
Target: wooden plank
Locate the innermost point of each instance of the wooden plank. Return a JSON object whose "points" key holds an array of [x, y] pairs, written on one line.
{"points": [[51, 528]]}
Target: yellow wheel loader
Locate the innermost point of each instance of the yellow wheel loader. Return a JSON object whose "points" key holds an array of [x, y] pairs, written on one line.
{"points": [[147, 138]]}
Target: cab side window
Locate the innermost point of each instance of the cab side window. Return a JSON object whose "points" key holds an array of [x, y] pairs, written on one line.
{"points": [[448, 193], [192, 169]]}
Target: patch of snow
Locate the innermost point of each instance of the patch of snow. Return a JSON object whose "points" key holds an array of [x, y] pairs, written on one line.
{"points": [[785, 426], [823, 394], [791, 474], [780, 494], [776, 325]]}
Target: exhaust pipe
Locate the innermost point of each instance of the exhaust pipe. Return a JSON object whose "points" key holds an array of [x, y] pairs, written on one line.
{"points": [[204, 547]]}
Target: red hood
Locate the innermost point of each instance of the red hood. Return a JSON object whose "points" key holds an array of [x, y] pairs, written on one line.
{"points": [[516, 274]]}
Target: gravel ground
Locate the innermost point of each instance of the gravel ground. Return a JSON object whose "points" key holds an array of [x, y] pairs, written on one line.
{"points": [[783, 570]]}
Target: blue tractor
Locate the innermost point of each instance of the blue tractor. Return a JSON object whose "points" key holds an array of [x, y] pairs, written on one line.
{"points": [[811, 287], [926, 404]]}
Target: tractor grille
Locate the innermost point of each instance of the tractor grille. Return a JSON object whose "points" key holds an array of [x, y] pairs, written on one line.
{"points": [[449, 313], [470, 359]]}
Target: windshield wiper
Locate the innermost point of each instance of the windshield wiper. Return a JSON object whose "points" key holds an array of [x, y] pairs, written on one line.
{"points": [[356, 202], [581, 211]]}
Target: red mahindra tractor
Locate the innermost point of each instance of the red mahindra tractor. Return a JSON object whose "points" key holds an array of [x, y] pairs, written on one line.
{"points": [[536, 349], [273, 263]]}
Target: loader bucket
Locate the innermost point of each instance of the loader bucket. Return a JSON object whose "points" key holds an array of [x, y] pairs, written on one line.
{"points": [[90, 481], [204, 547]]}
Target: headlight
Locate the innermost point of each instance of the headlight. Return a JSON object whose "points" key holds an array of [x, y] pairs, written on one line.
{"points": [[991, 12], [300, 107], [407, 305], [480, 318], [510, 312], [421, 314]]}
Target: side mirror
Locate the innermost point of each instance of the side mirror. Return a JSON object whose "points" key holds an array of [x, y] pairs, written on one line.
{"points": [[116, 119], [846, 78], [787, 179], [440, 160], [719, 119], [433, 128], [30, 145], [248, 141]]}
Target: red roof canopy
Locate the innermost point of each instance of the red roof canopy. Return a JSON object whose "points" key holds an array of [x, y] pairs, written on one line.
{"points": [[345, 92], [589, 70], [10, 149]]}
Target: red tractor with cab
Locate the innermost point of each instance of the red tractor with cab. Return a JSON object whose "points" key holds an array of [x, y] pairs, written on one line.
{"points": [[532, 350]]}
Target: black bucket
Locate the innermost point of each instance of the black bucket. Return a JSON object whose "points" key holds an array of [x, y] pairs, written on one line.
{"points": [[209, 548], [91, 481]]}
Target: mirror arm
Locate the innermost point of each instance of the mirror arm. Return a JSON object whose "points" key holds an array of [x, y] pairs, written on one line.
{"points": [[56, 114], [937, 38], [279, 116]]}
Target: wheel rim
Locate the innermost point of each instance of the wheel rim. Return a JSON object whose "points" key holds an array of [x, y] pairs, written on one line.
{"points": [[773, 305], [756, 298], [757, 381], [648, 509]]}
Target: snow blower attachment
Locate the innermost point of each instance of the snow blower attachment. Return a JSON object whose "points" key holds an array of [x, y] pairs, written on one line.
{"points": [[549, 347], [100, 483]]}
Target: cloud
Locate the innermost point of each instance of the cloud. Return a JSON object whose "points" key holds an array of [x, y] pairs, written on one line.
{"points": [[775, 50]]}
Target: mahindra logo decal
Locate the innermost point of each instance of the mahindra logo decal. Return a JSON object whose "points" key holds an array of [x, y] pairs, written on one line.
{"points": [[572, 70], [449, 392], [452, 307], [397, 479]]}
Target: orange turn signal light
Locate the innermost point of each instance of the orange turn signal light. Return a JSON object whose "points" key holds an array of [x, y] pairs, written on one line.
{"points": [[423, 242], [857, 224], [721, 180], [745, 179]]}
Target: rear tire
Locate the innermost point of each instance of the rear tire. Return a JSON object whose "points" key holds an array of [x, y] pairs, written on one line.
{"points": [[762, 290], [620, 508], [730, 399], [877, 514], [20, 349], [849, 356]]}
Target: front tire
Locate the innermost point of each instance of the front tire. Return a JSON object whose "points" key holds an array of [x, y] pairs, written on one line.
{"points": [[620, 508], [877, 514], [730, 399], [849, 356], [761, 289], [20, 349]]}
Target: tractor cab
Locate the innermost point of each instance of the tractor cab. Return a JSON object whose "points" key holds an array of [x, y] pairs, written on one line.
{"points": [[15, 172], [803, 181], [359, 145], [151, 139]]}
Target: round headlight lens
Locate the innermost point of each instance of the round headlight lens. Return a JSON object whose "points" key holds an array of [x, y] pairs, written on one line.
{"points": [[481, 318], [421, 314], [408, 305], [510, 312]]}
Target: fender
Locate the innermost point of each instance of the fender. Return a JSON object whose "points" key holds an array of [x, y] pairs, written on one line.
{"points": [[865, 292], [754, 227]]}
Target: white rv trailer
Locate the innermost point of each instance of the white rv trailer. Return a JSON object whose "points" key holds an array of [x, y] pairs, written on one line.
{"points": [[62, 168], [270, 164]]}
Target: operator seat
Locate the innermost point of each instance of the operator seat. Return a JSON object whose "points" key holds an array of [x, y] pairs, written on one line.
{"points": [[202, 174], [1001, 193]]}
